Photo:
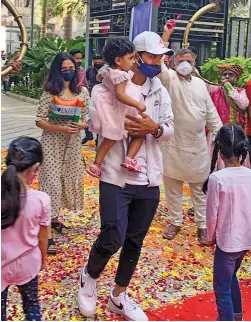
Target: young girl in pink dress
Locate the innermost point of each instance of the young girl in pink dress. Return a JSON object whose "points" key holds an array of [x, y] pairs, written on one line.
{"points": [[110, 103], [25, 217], [228, 218]]}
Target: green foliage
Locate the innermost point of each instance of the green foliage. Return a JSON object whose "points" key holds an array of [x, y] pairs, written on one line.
{"points": [[38, 60], [240, 12], [210, 70], [22, 89], [41, 56], [237, 3], [74, 7]]}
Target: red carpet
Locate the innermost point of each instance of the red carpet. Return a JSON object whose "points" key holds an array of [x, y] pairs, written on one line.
{"points": [[200, 308]]}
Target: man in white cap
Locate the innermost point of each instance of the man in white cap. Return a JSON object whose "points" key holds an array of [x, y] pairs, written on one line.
{"points": [[128, 201], [186, 157]]}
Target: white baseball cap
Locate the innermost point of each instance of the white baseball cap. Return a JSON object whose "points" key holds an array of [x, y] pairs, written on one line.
{"points": [[151, 43]]}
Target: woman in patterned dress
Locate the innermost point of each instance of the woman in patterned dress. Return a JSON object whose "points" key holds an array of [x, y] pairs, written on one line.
{"points": [[67, 191]]}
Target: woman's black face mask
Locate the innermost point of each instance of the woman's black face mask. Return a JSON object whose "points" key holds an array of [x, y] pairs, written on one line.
{"points": [[68, 74]]}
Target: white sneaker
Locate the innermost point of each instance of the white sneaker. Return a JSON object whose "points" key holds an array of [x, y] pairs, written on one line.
{"points": [[122, 305], [87, 293]]}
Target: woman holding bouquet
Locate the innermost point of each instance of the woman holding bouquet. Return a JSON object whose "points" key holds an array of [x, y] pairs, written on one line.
{"points": [[65, 191]]}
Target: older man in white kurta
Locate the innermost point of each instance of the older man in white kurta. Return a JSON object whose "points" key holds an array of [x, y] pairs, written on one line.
{"points": [[186, 156]]}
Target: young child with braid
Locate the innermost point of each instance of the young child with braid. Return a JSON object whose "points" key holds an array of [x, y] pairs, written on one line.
{"points": [[25, 218], [229, 218]]}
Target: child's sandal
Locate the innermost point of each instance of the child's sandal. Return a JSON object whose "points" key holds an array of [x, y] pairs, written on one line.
{"points": [[131, 165]]}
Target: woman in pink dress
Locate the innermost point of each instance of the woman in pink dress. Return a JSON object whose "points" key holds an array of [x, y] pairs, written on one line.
{"points": [[110, 103], [230, 102]]}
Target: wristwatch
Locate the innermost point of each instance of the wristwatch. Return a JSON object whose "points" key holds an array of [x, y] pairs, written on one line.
{"points": [[158, 132]]}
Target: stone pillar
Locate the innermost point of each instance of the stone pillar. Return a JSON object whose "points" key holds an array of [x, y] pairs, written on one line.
{"points": [[175, 45], [154, 24], [202, 57], [90, 54], [100, 42]]}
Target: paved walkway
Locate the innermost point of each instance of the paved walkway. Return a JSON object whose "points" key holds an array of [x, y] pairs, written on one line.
{"points": [[18, 118]]}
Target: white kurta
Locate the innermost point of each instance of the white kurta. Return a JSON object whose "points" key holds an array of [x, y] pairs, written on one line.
{"points": [[186, 156]]}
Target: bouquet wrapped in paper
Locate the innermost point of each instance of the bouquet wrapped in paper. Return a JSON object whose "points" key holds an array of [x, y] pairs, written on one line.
{"points": [[69, 109]]}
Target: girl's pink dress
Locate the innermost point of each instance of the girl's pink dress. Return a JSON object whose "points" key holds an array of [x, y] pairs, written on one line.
{"points": [[20, 253], [106, 112]]}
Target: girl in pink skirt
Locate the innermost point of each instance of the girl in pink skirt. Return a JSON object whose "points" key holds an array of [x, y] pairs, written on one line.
{"points": [[110, 103], [25, 218]]}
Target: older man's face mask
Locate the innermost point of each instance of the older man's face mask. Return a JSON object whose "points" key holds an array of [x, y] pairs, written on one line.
{"points": [[184, 64]]}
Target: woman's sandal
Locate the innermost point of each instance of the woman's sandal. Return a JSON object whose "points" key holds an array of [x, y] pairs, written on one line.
{"points": [[51, 248], [59, 227]]}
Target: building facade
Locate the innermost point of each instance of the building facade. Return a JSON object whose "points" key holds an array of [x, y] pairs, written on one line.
{"points": [[208, 34]]}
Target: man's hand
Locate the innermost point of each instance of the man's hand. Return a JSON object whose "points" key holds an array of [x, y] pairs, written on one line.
{"points": [[167, 33], [225, 81], [17, 66], [140, 126], [211, 242]]}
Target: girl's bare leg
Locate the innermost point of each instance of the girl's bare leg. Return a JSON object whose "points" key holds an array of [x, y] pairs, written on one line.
{"points": [[134, 147], [103, 149]]}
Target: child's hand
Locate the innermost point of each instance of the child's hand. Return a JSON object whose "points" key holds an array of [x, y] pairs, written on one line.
{"points": [[142, 107], [99, 78]]}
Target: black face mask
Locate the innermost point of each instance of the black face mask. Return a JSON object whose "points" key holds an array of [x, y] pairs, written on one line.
{"points": [[98, 65], [79, 63], [68, 74]]}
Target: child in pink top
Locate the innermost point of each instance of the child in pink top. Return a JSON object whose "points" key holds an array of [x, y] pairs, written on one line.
{"points": [[25, 217], [110, 103], [229, 218]]}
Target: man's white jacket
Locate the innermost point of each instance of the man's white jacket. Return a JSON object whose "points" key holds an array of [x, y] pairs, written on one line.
{"points": [[158, 107]]}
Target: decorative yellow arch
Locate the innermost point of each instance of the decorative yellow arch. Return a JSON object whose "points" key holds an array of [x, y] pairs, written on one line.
{"points": [[24, 36], [214, 6]]}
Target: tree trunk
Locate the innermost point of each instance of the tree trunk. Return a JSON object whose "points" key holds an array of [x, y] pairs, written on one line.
{"points": [[67, 23], [44, 18], [249, 33]]}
